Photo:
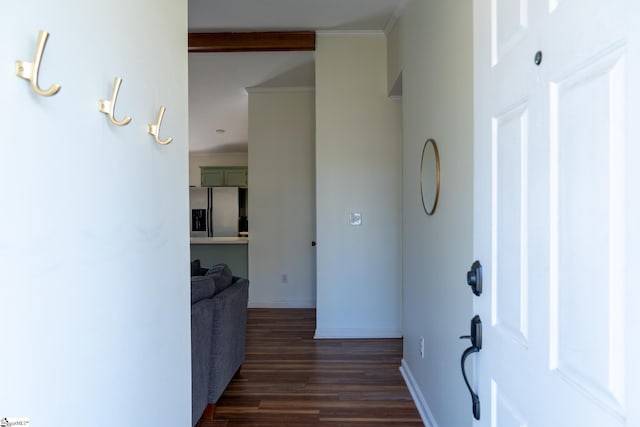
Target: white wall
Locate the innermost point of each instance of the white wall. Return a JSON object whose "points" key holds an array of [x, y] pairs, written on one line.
{"points": [[94, 275], [358, 169], [435, 39], [281, 197], [196, 160]]}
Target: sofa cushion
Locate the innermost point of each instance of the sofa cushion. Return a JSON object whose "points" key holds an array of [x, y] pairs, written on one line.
{"points": [[202, 287], [222, 275]]}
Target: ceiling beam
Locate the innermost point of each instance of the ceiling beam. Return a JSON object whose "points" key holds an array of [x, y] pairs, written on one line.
{"points": [[271, 41]]}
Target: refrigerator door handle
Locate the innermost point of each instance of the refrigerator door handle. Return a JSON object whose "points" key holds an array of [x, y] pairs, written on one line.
{"points": [[210, 223], [209, 212]]}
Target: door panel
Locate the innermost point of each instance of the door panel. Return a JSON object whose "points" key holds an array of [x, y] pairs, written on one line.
{"points": [[505, 412], [510, 303], [586, 216], [509, 23]]}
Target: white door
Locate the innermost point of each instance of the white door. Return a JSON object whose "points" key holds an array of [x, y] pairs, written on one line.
{"points": [[556, 211]]}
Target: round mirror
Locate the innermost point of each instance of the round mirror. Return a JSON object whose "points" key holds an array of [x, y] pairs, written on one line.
{"points": [[430, 176]]}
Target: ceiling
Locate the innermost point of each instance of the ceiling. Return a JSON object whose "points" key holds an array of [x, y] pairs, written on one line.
{"points": [[218, 101]]}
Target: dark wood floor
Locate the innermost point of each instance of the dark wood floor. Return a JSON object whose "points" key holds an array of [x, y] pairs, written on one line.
{"points": [[290, 379]]}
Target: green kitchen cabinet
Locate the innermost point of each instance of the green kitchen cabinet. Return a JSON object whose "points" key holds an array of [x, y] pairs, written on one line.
{"points": [[211, 177], [223, 176], [235, 177]]}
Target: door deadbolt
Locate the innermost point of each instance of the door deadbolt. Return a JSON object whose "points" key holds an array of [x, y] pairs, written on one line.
{"points": [[537, 59], [474, 278]]}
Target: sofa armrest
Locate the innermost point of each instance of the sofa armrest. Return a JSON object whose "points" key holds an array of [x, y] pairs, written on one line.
{"points": [[229, 331]]}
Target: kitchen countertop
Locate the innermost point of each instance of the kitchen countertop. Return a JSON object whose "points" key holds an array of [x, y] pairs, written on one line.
{"points": [[219, 240]]}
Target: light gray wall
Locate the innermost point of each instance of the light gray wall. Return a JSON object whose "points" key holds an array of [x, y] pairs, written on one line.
{"points": [[358, 169], [94, 275], [435, 39], [281, 197]]}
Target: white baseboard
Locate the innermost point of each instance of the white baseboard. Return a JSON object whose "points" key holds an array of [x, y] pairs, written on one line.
{"points": [[418, 397], [323, 333], [283, 304]]}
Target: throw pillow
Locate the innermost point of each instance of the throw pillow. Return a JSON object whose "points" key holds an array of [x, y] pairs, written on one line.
{"points": [[202, 287], [221, 273], [195, 267]]}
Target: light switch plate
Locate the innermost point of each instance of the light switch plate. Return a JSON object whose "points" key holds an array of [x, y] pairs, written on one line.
{"points": [[355, 218]]}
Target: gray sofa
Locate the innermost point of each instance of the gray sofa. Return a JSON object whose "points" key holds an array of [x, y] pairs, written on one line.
{"points": [[218, 333]]}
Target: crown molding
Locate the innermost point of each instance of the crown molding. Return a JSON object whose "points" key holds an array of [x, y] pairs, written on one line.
{"points": [[354, 33], [397, 13], [282, 89], [213, 153]]}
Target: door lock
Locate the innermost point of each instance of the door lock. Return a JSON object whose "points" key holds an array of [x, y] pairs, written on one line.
{"points": [[474, 278], [476, 345]]}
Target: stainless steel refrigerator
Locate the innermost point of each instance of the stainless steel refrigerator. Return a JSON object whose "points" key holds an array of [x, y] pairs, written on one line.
{"points": [[214, 211]]}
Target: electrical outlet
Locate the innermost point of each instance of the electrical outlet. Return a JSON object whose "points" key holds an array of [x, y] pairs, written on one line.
{"points": [[421, 347]]}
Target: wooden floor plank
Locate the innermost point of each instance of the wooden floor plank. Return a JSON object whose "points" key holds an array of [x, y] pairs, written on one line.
{"points": [[289, 379]]}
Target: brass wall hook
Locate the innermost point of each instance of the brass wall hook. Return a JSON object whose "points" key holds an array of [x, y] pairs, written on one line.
{"points": [[30, 70], [107, 107], [155, 129]]}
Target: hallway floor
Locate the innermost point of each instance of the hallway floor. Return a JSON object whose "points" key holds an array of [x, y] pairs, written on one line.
{"points": [[290, 379]]}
